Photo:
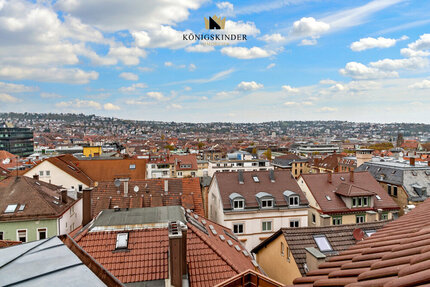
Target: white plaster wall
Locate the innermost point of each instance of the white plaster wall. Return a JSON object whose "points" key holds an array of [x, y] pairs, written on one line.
{"points": [[72, 218]]}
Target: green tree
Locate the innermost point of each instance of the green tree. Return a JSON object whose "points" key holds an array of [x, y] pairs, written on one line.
{"points": [[268, 154]]}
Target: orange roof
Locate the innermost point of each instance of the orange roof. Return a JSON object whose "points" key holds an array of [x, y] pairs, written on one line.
{"points": [[110, 169], [396, 255], [189, 160]]}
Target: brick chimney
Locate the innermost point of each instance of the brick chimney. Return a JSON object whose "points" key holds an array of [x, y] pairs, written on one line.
{"points": [[177, 252], [428, 163], [412, 161], [63, 195], [86, 206], [351, 176], [329, 177]]}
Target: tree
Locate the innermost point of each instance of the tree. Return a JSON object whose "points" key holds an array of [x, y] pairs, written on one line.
{"points": [[268, 154], [200, 145], [254, 151]]}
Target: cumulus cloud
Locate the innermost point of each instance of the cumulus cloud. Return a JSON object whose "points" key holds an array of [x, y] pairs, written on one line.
{"points": [[200, 48], [129, 76], [397, 64], [308, 42], [50, 96], [272, 38], [226, 7], [6, 98], [328, 109], [175, 106], [425, 84], [132, 88], [156, 95], [79, 104], [290, 89], [362, 72], [111, 107], [241, 27], [161, 37], [246, 53], [16, 88], [129, 56], [371, 43], [290, 104], [308, 26], [249, 86]]}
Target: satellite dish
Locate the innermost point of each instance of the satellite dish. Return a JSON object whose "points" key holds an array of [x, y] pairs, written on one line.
{"points": [[6, 161], [136, 188], [358, 234], [117, 182]]}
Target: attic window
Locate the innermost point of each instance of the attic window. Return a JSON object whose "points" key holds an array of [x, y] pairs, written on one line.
{"points": [[238, 204], [322, 243], [121, 241], [369, 232], [267, 203], [10, 208], [21, 207], [255, 178], [342, 178], [294, 201], [132, 166], [378, 197], [328, 198]]}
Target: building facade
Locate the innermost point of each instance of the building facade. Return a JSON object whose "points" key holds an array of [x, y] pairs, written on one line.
{"points": [[18, 141]]}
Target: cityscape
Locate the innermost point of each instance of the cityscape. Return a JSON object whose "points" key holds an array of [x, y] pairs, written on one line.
{"points": [[214, 143]]}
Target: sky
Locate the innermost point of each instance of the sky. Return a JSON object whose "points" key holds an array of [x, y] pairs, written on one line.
{"points": [[365, 61]]}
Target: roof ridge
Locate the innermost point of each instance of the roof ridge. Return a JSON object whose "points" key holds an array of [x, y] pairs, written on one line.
{"points": [[39, 195]]}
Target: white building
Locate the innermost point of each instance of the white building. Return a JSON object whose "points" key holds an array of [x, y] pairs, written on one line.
{"points": [[226, 165], [255, 204]]}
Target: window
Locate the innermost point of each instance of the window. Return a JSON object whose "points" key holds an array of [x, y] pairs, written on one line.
{"points": [[314, 218], [369, 232], [21, 207], [165, 172], [238, 204], [360, 219], [42, 233], [378, 197], [328, 198], [179, 173], [322, 243], [266, 226], [354, 202], [132, 166], [337, 220], [48, 173], [1, 235], [365, 201], [288, 254], [361, 201], [267, 203], [389, 189], [255, 178], [383, 216], [294, 223], [22, 235], [294, 200], [41, 173], [282, 248], [238, 228], [80, 187], [11, 208], [395, 191], [193, 174], [121, 241]]}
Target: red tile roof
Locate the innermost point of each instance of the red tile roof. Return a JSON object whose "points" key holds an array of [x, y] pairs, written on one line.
{"points": [[364, 182], [180, 160], [396, 255], [8, 160], [330, 162], [7, 243], [181, 191]]}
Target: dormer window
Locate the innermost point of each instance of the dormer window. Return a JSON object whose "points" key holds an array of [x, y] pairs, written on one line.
{"points": [[361, 201], [265, 199], [267, 203], [294, 201], [238, 204]]}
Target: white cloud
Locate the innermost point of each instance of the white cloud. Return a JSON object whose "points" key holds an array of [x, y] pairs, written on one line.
{"points": [[192, 67], [246, 53], [241, 27], [111, 107], [128, 55], [50, 96], [290, 104], [328, 109], [132, 88], [15, 88], [308, 42], [79, 104], [272, 38], [327, 82], [156, 95], [362, 72], [308, 26], [188, 89], [397, 64], [425, 84], [249, 86], [161, 37], [408, 52], [290, 89], [200, 48], [215, 77], [72, 76], [6, 98], [175, 106], [226, 7], [129, 76], [423, 43], [270, 66], [168, 64], [370, 43]]}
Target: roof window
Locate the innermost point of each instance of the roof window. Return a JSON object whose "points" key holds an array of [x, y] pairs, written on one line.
{"points": [[328, 198], [255, 178], [10, 208], [121, 241], [322, 243]]}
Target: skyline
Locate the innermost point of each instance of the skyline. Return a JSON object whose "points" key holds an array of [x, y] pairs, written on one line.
{"points": [[303, 60]]}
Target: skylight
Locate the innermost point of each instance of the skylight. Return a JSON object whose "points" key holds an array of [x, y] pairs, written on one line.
{"points": [[255, 178], [328, 197], [378, 197], [369, 232], [21, 207], [121, 240], [10, 208], [322, 242]]}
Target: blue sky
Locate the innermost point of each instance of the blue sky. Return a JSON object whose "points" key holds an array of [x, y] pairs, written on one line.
{"points": [[303, 60]]}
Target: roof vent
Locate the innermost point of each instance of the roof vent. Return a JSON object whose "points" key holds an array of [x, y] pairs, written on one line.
{"points": [[272, 175], [240, 175]]}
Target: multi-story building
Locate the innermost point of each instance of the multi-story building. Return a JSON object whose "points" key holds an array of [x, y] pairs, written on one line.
{"points": [[346, 198], [18, 141], [173, 166], [292, 162], [225, 165], [309, 149], [254, 204]]}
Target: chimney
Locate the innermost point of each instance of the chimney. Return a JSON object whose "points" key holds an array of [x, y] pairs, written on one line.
{"points": [[177, 252], [166, 186], [329, 177], [36, 177], [63, 195], [428, 163], [126, 188], [351, 176], [412, 161], [86, 206]]}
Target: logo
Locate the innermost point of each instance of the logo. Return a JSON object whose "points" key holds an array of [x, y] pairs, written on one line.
{"points": [[214, 23]]}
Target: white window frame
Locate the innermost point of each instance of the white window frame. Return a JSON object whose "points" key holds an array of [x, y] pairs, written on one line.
{"points": [[263, 223], [237, 201], [40, 172], [48, 173], [360, 216], [26, 234], [267, 200], [46, 230], [239, 224], [295, 198], [294, 220]]}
